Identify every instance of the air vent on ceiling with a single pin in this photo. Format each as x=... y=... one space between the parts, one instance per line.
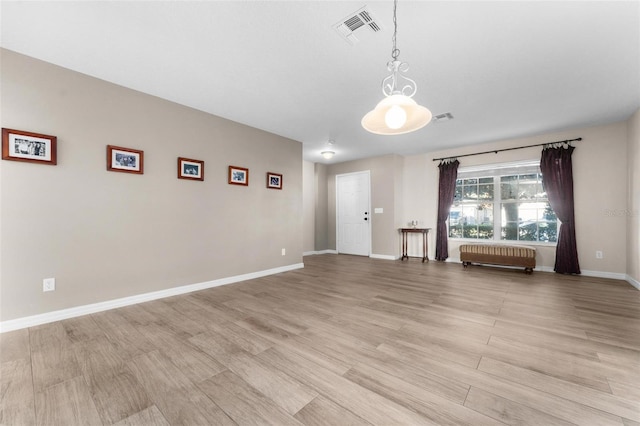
x=442 y=117
x=361 y=22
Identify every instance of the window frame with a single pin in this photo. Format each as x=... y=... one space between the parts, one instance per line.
x=497 y=171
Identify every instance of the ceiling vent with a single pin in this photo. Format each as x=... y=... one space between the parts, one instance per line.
x=360 y=23
x=442 y=117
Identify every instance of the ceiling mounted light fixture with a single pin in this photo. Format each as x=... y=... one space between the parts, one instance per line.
x=328 y=154
x=397 y=113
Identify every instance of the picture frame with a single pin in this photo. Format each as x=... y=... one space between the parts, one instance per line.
x=125 y=160
x=238 y=176
x=274 y=180
x=190 y=169
x=19 y=145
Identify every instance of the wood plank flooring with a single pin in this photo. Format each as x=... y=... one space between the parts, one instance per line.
x=345 y=341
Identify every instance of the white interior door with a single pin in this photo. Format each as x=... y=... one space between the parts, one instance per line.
x=353 y=222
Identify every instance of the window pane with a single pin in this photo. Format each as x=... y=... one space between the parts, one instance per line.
x=509 y=212
x=509 y=189
x=484 y=214
x=470 y=192
x=525 y=214
x=547 y=213
x=542 y=194
x=485 y=232
x=548 y=232
x=510 y=231
x=528 y=231
x=455 y=231
x=486 y=192
x=527 y=190
x=528 y=178
x=454 y=215
x=469 y=214
x=469 y=231
x=484 y=218
x=457 y=196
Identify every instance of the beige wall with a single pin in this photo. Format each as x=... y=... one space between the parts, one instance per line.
x=321 y=188
x=106 y=235
x=308 y=207
x=385 y=172
x=600 y=185
x=633 y=203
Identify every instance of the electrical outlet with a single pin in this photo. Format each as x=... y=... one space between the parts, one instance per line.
x=284 y=252
x=49 y=284
x=599 y=254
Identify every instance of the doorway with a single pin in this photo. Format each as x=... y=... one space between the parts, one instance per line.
x=353 y=215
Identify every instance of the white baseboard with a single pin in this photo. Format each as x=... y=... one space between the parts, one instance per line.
x=77 y=311
x=383 y=256
x=586 y=273
x=633 y=282
x=312 y=253
x=601 y=274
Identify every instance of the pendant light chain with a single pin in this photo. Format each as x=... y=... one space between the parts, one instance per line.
x=395 y=52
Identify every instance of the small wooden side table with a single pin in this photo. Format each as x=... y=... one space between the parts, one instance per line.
x=424 y=232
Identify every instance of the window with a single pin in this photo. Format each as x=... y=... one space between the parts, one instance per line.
x=502 y=202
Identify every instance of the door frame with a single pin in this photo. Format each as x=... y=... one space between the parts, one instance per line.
x=368 y=173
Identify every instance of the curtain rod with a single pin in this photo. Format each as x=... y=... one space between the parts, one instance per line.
x=495 y=151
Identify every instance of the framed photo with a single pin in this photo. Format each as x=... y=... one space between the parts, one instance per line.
x=190 y=169
x=125 y=160
x=18 y=145
x=238 y=176
x=274 y=180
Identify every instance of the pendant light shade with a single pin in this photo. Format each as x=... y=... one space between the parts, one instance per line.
x=395 y=115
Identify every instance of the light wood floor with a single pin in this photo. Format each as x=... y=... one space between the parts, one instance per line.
x=344 y=341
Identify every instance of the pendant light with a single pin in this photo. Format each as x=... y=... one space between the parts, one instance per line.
x=328 y=153
x=397 y=113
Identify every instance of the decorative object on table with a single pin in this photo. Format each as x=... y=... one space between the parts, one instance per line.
x=414 y=224
x=18 y=145
x=190 y=169
x=238 y=176
x=397 y=113
x=274 y=180
x=125 y=160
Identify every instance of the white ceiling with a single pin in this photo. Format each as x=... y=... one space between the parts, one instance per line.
x=503 y=69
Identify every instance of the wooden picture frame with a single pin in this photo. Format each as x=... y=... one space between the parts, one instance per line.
x=274 y=180
x=125 y=160
x=238 y=176
x=190 y=169
x=19 y=145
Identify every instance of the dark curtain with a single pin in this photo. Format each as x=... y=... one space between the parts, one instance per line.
x=557 y=180
x=446 y=192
